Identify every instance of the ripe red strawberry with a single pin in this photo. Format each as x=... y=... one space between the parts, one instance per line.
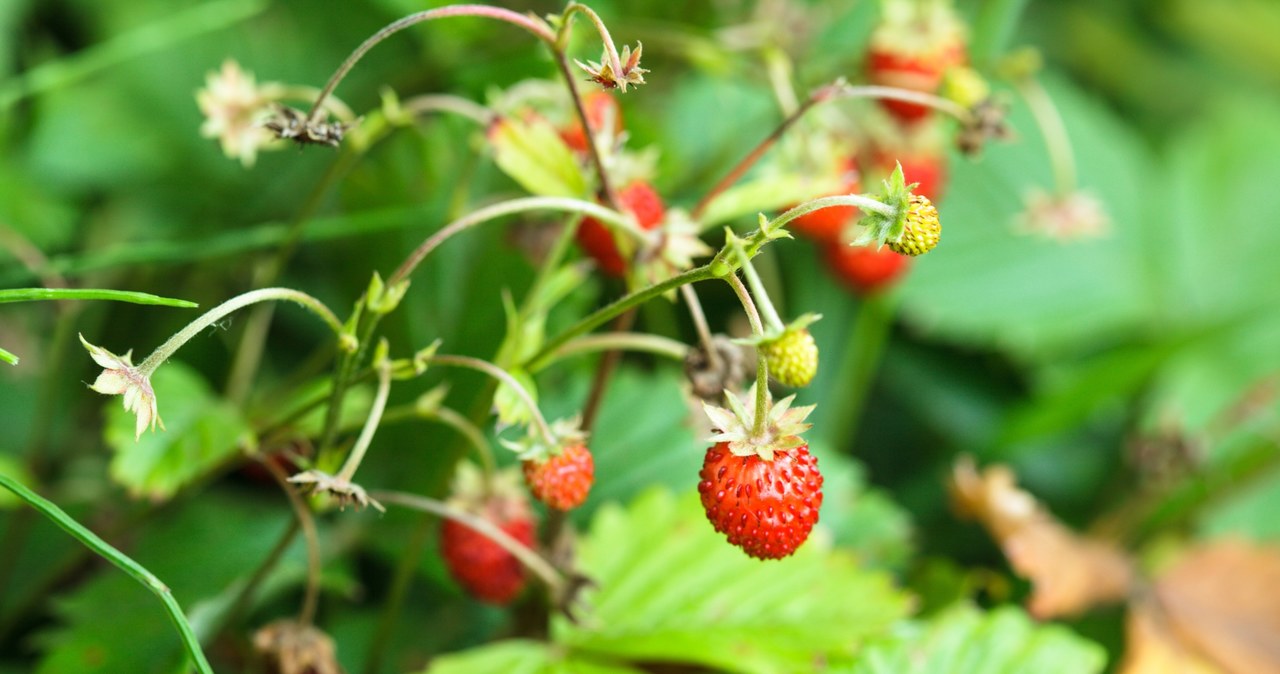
x=561 y=480
x=827 y=224
x=912 y=48
x=597 y=240
x=864 y=269
x=762 y=491
x=602 y=112
x=483 y=568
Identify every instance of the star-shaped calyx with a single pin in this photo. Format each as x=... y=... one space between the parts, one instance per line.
x=121 y=377
x=602 y=73
x=780 y=430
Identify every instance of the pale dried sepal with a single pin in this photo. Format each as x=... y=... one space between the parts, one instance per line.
x=121 y=377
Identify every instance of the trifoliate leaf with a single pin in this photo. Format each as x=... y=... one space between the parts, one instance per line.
x=670 y=589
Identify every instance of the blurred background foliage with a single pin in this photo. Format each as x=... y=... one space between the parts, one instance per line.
x=1129 y=380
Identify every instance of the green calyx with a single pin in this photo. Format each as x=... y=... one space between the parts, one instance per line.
x=879 y=228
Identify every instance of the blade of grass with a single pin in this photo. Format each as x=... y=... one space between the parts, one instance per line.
x=121 y=560
x=8 y=357
x=34 y=294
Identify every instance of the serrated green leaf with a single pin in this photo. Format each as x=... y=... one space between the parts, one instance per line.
x=533 y=154
x=671 y=589
x=964 y=640
x=511 y=409
x=521 y=657
x=201 y=432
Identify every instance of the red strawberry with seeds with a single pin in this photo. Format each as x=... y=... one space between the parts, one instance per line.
x=561 y=480
x=864 y=269
x=762 y=490
x=485 y=569
x=597 y=240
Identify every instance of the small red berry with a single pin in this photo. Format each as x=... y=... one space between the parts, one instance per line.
x=865 y=270
x=765 y=507
x=485 y=569
x=929 y=169
x=597 y=240
x=602 y=111
x=828 y=224
x=913 y=48
x=562 y=480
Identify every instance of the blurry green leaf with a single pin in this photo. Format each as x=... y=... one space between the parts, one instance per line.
x=512 y=410
x=201 y=433
x=533 y=154
x=12 y=466
x=521 y=657
x=671 y=589
x=765 y=194
x=8 y=357
x=964 y=640
x=34 y=294
x=312 y=396
x=861 y=519
x=1248 y=510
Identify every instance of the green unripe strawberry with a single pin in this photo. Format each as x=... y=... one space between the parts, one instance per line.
x=792 y=358
x=920 y=231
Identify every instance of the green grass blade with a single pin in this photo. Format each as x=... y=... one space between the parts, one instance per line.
x=153 y=37
x=34 y=294
x=8 y=357
x=121 y=560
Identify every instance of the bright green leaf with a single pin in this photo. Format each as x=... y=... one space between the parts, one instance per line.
x=533 y=154
x=201 y=433
x=33 y=294
x=671 y=589
x=521 y=657
x=964 y=640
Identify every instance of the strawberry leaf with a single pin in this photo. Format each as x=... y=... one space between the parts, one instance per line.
x=526 y=657
x=533 y=154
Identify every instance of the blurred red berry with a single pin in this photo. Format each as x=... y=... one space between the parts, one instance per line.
x=597 y=241
x=865 y=270
x=827 y=224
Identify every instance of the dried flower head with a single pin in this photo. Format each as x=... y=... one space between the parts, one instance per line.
x=631 y=73
x=234 y=108
x=290 y=124
x=295 y=648
x=1076 y=215
x=342 y=490
x=121 y=377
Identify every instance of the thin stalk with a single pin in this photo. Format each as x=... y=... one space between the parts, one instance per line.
x=595 y=396
x=771 y=318
x=530 y=559
x=610 y=49
x=510 y=207
x=622 y=341
x=460 y=423
x=311 y=596
x=421 y=105
x=605 y=313
x=505 y=377
x=602 y=175
x=121 y=561
x=164 y=351
x=352 y=463
x=1054 y=130
x=762 y=365
x=534 y=26
x=700 y=326
x=832 y=92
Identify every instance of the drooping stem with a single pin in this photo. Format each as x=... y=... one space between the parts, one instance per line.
x=507 y=208
x=121 y=561
x=531 y=560
x=421 y=105
x=534 y=26
x=164 y=351
x=580 y=108
x=762 y=365
x=610 y=49
x=837 y=90
x=311 y=596
x=1054 y=130
x=539 y=422
x=348 y=470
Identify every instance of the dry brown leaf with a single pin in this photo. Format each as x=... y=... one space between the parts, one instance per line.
x=1152 y=648
x=1223 y=600
x=1069 y=573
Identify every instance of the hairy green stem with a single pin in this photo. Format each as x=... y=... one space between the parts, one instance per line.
x=700 y=326
x=352 y=463
x=762 y=366
x=498 y=210
x=771 y=319
x=533 y=25
x=622 y=341
x=311 y=597
x=164 y=351
x=121 y=561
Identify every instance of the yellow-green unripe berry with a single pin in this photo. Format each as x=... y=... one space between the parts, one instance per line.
x=921 y=231
x=792 y=358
